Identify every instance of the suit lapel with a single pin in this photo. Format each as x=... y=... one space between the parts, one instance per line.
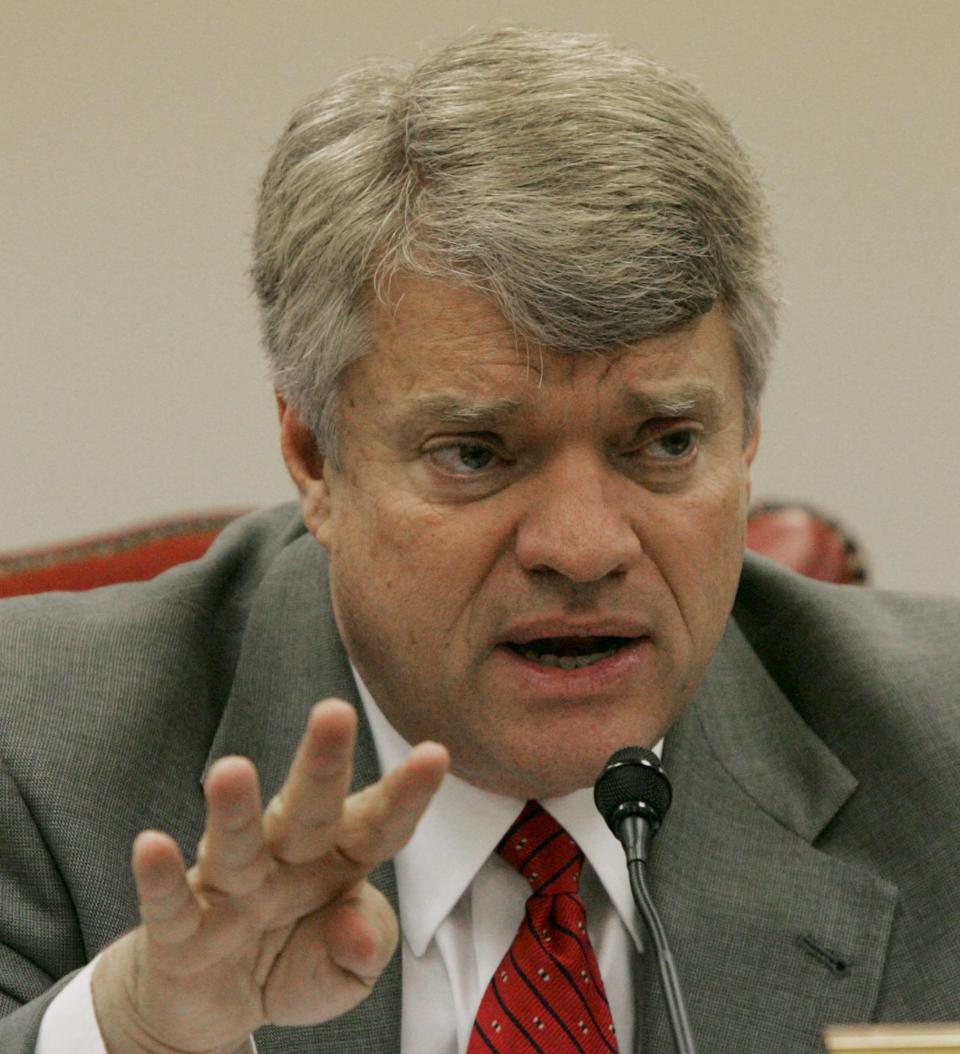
x=773 y=938
x=292 y=657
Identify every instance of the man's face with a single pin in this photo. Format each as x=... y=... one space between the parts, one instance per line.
x=532 y=554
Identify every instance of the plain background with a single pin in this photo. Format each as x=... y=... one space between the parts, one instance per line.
x=134 y=133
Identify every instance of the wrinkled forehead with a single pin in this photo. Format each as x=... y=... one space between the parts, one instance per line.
x=445 y=353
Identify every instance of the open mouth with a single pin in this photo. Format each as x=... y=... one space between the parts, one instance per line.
x=570 y=653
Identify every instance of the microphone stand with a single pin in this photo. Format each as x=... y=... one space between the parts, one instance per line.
x=635 y=835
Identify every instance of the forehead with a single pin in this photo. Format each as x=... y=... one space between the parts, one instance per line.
x=449 y=324
x=446 y=351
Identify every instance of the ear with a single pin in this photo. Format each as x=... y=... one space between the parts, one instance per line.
x=752 y=443
x=750 y=452
x=308 y=469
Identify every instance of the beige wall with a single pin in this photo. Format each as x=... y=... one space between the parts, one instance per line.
x=133 y=134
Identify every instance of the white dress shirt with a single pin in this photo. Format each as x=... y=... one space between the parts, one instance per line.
x=461 y=904
x=460 y=907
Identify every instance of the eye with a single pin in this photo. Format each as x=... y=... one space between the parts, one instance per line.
x=463 y=459
x=674 y=446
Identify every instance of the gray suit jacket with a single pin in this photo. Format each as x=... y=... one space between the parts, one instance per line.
x=806 y=872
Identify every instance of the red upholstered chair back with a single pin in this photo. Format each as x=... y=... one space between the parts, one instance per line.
x=129 y=554
x=807 y=541
x=794 y=535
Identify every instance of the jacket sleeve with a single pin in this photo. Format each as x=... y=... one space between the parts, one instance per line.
x=40 y=941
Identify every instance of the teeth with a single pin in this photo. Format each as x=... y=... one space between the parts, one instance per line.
x=566 y=662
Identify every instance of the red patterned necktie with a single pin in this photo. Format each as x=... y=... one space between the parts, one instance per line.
x=546 y=996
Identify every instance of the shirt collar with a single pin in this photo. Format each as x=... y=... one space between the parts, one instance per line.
x=435 y=868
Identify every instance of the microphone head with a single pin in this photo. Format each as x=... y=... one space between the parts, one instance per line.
x=632 y=783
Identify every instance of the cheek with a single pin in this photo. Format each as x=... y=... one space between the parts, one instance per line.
x=698 y=547
x=405 y=560
x=368 y=525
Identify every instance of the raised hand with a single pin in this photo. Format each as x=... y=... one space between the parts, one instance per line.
x=275 y=923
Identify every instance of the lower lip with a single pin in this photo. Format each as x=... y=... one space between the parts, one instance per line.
x=554 y=680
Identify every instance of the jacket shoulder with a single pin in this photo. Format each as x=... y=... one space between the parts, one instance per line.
x=107 y=659
x=862 y=666
x=774 y=602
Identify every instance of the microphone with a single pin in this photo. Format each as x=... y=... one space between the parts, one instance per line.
x=633 y=795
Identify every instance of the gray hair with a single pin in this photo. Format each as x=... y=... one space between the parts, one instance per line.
x=596 y=197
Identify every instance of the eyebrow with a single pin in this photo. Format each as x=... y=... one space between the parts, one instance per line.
x=704 y=398
x=491 y=415
x=482 y=415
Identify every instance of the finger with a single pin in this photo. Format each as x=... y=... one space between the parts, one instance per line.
x=332 y=958
x=300 y=822
x=381 y=819
x=361 y=933
x=377 y=822
x=232 y=857
x=168 y=908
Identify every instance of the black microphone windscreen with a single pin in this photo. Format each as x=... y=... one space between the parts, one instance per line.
x=632 y=774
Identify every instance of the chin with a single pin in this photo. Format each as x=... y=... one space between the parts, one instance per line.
x=541 y=777
x=552 y=750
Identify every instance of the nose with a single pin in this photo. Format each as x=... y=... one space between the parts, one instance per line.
x=577 y=522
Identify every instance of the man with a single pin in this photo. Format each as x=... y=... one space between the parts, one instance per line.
x=518 y=309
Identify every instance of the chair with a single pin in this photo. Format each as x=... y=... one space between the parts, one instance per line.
x=806 y=540
x=128 y=554
x=797 y=536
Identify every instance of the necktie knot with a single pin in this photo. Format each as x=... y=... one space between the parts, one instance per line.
x=542 y=851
